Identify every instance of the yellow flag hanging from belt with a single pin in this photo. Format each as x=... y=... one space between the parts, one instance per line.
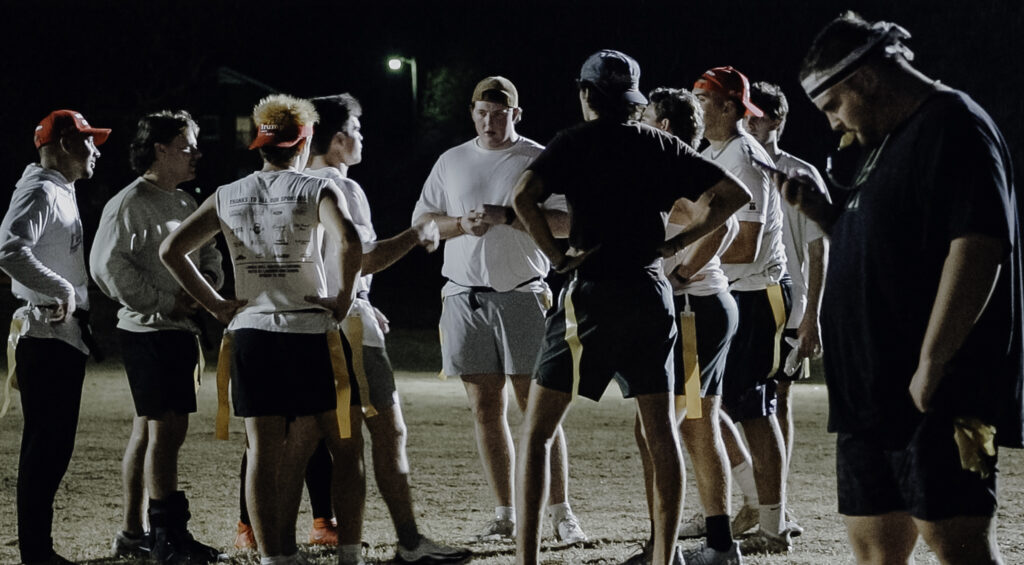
x=342 y=387
x=691 y=365
x=223 y=378
x=12 y=379
x=778 y=305
x=353 y=328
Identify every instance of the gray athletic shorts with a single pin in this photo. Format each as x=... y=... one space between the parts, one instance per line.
x=380 y=378
x=491 y=332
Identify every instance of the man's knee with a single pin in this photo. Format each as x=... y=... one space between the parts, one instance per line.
x=387 y=427
x=882 y=540
x=962 y=539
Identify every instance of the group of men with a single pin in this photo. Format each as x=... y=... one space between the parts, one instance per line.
x=695 y=281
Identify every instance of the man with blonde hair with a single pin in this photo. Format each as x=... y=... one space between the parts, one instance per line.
x=283 y=313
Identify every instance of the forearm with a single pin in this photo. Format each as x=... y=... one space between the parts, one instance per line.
x=188 y=276
x=210 y=264
x=351 y=258
x=174 y=252
x=696 y=256
x=968 y=278
x=526 y=201
x=817 y=265
x=448 y=226
x=22 y=265
x=386 y=252
x=716 y=204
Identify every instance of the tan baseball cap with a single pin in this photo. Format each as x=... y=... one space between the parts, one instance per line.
x=504 y=89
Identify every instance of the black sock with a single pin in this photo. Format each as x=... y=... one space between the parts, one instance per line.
x=719 y=535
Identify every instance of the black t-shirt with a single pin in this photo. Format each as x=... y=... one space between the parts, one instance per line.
x=944 y=173
x=618 y=179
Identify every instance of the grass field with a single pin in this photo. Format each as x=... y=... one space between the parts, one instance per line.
x=451 y=495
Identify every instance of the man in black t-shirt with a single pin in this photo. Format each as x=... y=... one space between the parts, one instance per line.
x=615 y=317
x=922 y=307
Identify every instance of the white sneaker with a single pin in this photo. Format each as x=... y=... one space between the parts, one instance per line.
x=693 y=527
x=568 y=530
x=429 y=552
x=705 y=555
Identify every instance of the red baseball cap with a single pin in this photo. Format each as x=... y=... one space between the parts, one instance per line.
x=731 y=83
x=60 y=121
x=280 y=136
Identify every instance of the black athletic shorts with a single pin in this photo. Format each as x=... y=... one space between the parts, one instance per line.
x=161 y=370
x=282 y=374
x=716 y=319
x=619 y=328
x=748 y=392
x=924 y=478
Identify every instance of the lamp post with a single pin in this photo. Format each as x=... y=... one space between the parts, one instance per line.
x=395 y=64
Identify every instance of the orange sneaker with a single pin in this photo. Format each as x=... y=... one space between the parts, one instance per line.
x=245 y=539
x=324 y=532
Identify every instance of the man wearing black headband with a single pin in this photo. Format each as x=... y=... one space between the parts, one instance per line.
x=922 y=308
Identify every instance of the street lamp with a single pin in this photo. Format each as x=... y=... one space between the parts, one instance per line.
x=395 y=64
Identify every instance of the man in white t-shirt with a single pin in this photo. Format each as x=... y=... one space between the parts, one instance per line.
x=755 y=264
x=337 y=144
x=806 y=257
x=494 y=302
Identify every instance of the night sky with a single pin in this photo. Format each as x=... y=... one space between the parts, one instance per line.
x=114 y=60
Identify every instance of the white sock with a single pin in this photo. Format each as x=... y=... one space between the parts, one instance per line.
x=559 y=512
x=350 y=553
x=275 y=560
x=743 y=474
x=772 y=518
x=505 y=513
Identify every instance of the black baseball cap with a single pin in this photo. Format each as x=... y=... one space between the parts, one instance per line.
x=614 y=73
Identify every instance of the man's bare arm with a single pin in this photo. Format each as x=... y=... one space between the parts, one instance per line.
x=968 y=278
x=196 y=230
x=809 y=331
x=387 y=251
x=714 y=208
x=526 y=199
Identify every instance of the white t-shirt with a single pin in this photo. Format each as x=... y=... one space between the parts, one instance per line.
x=798 y=230
x=769 y=265
x=465 y=178
x=270 y=221
x=359 y=210
x=714 y=280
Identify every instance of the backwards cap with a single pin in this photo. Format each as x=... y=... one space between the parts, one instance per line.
x=498 y=85
x=731 y=83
